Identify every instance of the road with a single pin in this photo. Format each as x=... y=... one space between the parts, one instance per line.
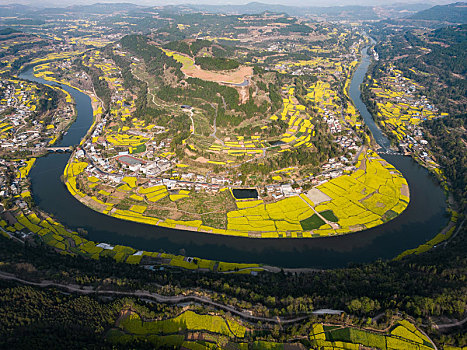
x=179 y=299
x=450 y=325
x=176 y=299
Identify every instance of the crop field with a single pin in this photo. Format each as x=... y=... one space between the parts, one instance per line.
x=214 y=332
x=63 y=240
x=361 y=200
x=404 y=335
x=188 y=320
x=24 y=171
x=312 y=223
x=395 y=112
x=366 y=196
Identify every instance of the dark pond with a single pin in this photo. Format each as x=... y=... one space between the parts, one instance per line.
x=245 y=193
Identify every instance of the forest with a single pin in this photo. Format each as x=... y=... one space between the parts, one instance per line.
x=438 y=59
x=388 y=286
x=216 y=63
x=443 y=80
x=448 y=136
x=100 y=85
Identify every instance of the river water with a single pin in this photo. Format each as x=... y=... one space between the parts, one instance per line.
x=354 y=93
x=422 y=219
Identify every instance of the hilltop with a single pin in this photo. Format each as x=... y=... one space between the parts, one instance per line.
x=453 y=13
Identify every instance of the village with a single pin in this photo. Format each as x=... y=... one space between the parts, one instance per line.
x=136 y=168
x=23 y=126
x=401 y=108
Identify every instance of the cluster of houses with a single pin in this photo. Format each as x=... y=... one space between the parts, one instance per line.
x=332 y=121
x=278 y=191
x=8 y=188
x=22 y=130
x=348 y=142
x=15 y=99
x=414 y=142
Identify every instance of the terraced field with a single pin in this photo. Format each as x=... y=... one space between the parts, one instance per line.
x=223 y=332
x=404 y=335
x=396 y=109
x=368 y=197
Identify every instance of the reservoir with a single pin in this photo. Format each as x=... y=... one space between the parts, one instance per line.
x=421 y=221
x=245 y=193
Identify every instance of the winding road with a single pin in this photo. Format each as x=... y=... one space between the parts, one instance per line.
x=176 y=299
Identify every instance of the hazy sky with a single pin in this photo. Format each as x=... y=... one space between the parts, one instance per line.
x=61 y=3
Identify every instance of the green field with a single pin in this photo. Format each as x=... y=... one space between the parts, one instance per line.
x=329 y=215
x=312 y=223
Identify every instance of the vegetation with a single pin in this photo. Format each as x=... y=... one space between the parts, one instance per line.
x=100 y=86
x=312 y=223
x=389 y=286
x=454 y=13
x=448 y=137
x=217 y=63
x=277 y=134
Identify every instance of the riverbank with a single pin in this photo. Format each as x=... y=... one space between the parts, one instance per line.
x=384 y=241
x=368 y=193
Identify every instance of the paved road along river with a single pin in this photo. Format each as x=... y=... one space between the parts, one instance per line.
x=422 y=220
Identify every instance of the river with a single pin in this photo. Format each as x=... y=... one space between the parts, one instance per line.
x=355 y=95
x=422 y=219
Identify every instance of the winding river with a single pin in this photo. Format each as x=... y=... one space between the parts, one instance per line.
x=422 y=219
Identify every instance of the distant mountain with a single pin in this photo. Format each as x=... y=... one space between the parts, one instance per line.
x=453 y=13
x=9 y=31
x=349 y=12
x=400 y=10
x=99 y=8
x=14 y=10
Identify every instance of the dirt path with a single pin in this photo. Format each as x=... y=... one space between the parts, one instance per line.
x=215 y=126
x=149 y=90
x=332 y=224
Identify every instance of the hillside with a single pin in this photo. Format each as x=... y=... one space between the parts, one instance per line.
x=453 y=13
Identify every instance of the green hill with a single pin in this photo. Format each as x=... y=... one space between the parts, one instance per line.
x=453 y=13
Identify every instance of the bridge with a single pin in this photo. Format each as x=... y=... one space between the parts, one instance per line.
x=60 y=149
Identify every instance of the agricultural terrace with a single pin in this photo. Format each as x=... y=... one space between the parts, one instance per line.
x=403 y=335
x=148 y=164
x=175 y=332
x=323 y=93
x=401 y=107
x=375 y=193
x=213 y=331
